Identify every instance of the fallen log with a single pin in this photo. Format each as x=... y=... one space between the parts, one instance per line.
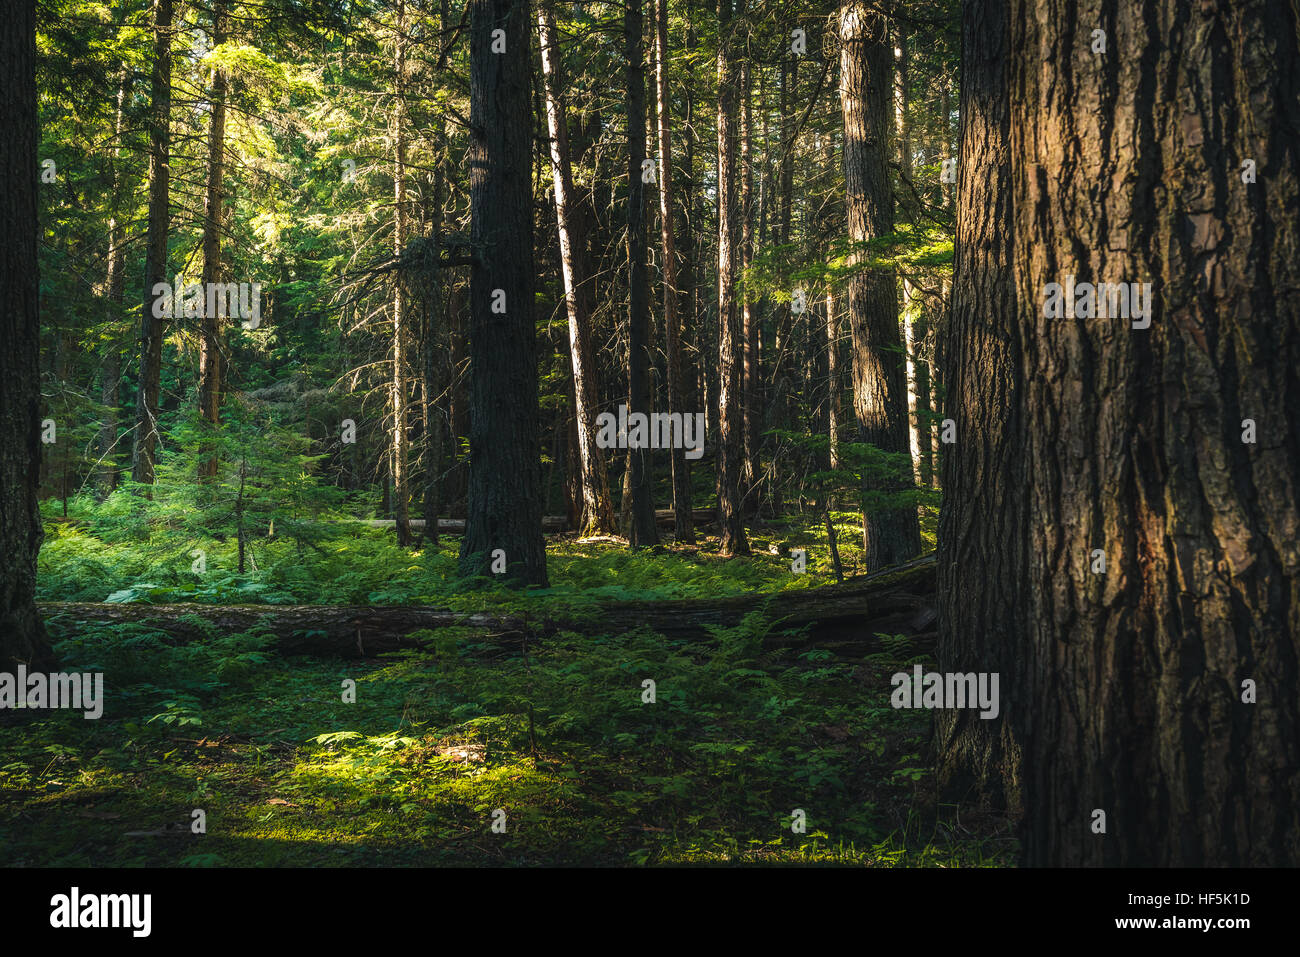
x=843 y=617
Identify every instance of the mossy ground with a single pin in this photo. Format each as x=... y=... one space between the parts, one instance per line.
x=585 y=770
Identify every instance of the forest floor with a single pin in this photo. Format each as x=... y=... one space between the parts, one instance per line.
x=439 y=741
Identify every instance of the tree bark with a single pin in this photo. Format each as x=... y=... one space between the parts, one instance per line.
x=730 y=434
x=834 y=378
x=684 y=531
x=22 y=635
x=890 y=535
x=210 y=359
x=982 y=521
x=398 y=449
x=114 y=292
x=1134 y=698
x=505 y=482
x=155 y=264
x=641 y=528
x=597 y=508
x=749 y=471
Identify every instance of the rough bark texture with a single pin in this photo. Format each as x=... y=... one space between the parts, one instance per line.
x=730 y=433
x=641 y=528
x=505 y=481
x=22 y=636
x=1128 y=167
x=597 y=510
x=982 y=521
x=891 y=535
x=155 y=263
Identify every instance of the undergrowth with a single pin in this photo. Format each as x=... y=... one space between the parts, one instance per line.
x=563 y=741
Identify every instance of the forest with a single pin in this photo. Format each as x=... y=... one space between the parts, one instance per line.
x=668 y=432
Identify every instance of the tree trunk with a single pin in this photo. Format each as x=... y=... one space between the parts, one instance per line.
x=505 y=482
x=210 y=359
x=749 y=322
x=1136 y=435
x=397 y=388
x=597 y=509
x=457 y=400
x=1159 y=687
x=641 y=529
x=834 y=379
x=22 y=635
x=435 y=337
x=114 y=291
x=890 y=535
x=684 y=531
x=730 y=434
x=155 y=263
x=982 y=521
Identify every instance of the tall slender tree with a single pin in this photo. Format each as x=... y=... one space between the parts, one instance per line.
x=114 y=293
x=597 y=511
x=890 y=535
x=642 y=528
x=155 y=261
x=210 y=334
x=730 y=435
x=398 y=449
x=684 y=530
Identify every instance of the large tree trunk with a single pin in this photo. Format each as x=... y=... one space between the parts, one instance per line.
x=731 y=425
x=982 y=520
x=210 y=360
x=22 y=636
x=684 y=529
x=597 y=510
x=505 y=482
x=1158 y=688
x=891 y=535
x=155 y=262
x=1136 y=435
x=398 y=450
x=641 y=528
